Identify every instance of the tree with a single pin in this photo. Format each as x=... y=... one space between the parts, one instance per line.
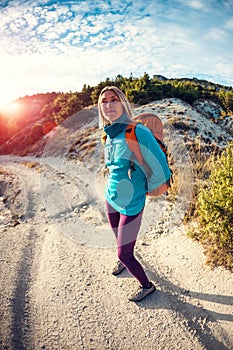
x=97 y=89
x=226 y=99
x=85 y=95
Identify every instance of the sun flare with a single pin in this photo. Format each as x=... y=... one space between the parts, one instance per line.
x=10 y=108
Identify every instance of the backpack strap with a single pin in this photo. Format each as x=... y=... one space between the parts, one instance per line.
x=103 y=138
x=133 y=144
x=132 y=141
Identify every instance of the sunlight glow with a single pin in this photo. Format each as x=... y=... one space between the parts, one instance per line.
x=11 y=109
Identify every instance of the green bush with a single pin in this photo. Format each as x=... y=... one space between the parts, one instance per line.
x=215 y=212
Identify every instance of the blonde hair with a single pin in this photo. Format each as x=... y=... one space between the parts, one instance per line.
x=123 y=99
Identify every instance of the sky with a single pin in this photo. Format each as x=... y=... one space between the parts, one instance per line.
x=58 y=46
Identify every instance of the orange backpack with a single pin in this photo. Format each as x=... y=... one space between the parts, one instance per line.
x=152 y=122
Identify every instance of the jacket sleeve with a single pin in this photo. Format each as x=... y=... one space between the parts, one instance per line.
x=153 y=156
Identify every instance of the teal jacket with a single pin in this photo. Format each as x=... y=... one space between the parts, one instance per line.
x=126 y=195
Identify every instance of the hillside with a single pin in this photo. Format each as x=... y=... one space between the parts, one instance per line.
x=202 y=122
x=26 y=120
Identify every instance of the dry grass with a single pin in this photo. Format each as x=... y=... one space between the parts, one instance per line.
x=202 y=159
x=32 y=165
x=85 y=144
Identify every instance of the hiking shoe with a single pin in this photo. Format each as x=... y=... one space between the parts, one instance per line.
x=142 y=293
x=118 y=268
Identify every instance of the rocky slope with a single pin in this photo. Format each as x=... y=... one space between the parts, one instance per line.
x=201 y=123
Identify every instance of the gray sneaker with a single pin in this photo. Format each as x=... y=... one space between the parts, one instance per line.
x=141 y=293
x=118 y=268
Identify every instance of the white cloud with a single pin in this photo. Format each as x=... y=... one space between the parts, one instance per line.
x=229 y=23
x=216 y=34
x=85 y=42
x=196 y=4
x=31 y=20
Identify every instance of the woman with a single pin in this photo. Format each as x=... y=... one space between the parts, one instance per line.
x=125 y=195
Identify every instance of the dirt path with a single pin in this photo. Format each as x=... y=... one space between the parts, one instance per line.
x=57 y=291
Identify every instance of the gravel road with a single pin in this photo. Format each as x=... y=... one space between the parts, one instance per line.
x=56 y=287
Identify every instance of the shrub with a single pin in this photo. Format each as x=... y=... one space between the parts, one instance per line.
x=215 y=212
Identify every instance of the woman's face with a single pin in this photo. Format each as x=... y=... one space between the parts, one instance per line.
x=111 y=106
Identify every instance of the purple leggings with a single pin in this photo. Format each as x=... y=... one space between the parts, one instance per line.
x=126 y=229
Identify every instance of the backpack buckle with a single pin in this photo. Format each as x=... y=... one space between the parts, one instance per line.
x=130 y=171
